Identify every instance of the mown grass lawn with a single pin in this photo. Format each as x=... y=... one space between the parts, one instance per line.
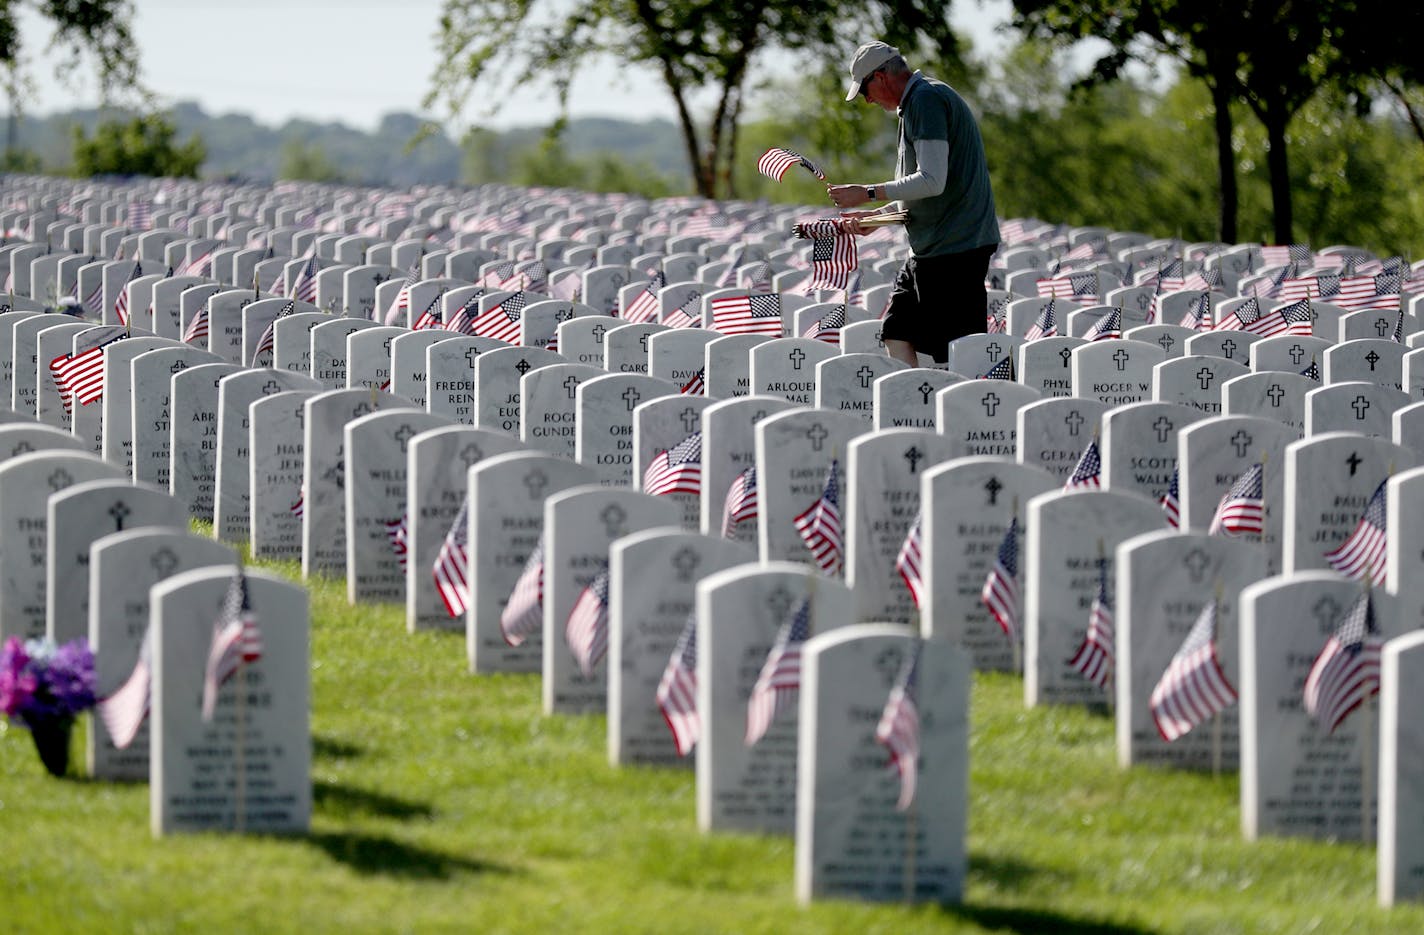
x=448 y=803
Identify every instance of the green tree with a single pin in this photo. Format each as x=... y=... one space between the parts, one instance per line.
x=308 y=162
x=143 y=145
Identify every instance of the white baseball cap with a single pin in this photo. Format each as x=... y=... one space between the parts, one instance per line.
x=866 y=60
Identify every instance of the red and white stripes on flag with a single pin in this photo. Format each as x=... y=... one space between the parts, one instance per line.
x=298 y=508
x=1107 y=327
x=1382 y=291
x=899 y=727
x=677 y=691
x=398 y=534
x=94 y=301
x=124 y=712
x=1363 y=554
x=197 y=330
x=121 y=305
x=462 y=319
x=501 y=320
x=237 y=640
x=747 y=314
x=1046 y=324
x=779 y=683
x=740 y=504
x=429 y=320
x=267 y=342
x=686 y=315
x=524 y=611
x=80 y=377
x=697 y=385
x=1087 y=473
x=676 y=470
x=1097 y=656
x=1346 y=672
x=644 y=306
x=1242 y=510
x=586 y=630
x=451 y=570
x=402 y=300
x=827 y=328
x=1284 y=254
x=1000 y=593
x=1080 y=287
x=775 y=162
x=1193 y=688
x=820 y=525
x=833 y=253
x=909 y=562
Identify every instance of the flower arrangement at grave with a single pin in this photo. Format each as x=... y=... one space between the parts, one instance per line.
x=43 y=687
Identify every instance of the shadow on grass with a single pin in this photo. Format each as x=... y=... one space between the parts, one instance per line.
x=1036 y=921
x=336 y=801
x=330 y=747
x=374 y=854
x=1006 y=873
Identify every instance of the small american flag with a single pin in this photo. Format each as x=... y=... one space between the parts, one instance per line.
x=197 y=330
x=1193 y=688
x=304 y=289
x=1171 y=500
x=644 y=306
x=80 y=377
x=1363 y=554
x=676 y=470
x=1108 y=326
x=734 y=262
x=140 y=215
x=298 y=508
x=1003 y=370
x=1080 y=287
x=828 y=327
x=398 y=535
x=677 y=692
x=747 y=314
x=740 y=503
x=686 y=315
x=1242 y=511
x=1281 y=254
x=1397 y=336
x=833 y=253
x=775 y=162
x=279 y=283
x=1045 y=325
x=462 y=319
x=820 y=525
x=237 y=640
x=124 y=712
x=899 y=727
x=697 y=386
x=401 y=302
x=451 y=570
x=121 y=307
x=1313 y=371
x=1347 y=670
x=1089 y=469
x=908 y=562
x=524 y=611
x=1198 y=315
x=779 y=683
x=94 y=302
x=1097 y=655
x=268 y=341
x=429 y=320
x=586 y=630
x=501 y=321
x=1382 y=291
x=1001 y=588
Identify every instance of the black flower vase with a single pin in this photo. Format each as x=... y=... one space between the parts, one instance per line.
x=51 y=737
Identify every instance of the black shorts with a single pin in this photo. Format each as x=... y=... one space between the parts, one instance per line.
x=937 y=299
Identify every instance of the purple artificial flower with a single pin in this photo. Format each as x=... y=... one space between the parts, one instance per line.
x=40 y=682
x=17 y=683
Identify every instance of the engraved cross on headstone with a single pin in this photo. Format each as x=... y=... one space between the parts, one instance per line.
x=598 y=332
x=990 y=403
x=470 y=354
x=571 y=383
x=524 y=366
x=1381 y=328
x=60 y=479
x=779 y=602
x=926 y=391
x=1326 y=612
x=1196 y=562
x=632 y=397
x=866 y=375
x=914 y=455
x=178 y=365
x=1242 y=442
x=613 y=518
x=470 y=454
x=1074 y=420
x=119 y=511
x=1204 y=377
x=163 y=562
x=21 y=448
x=1167 y=342
x=1372 y=358
x=992 y=487
x=1228 y=348
x=797 y=357
x=643 y=340
x=685 y=561
x=1120 y=357
x=536 y=482
x=1163 y=426
x=994 y=351
x=690 y=419
x=1354 y=462
x=1360 y=405
x=1276 y=393
x=1296 y=353
x=270 y=387
x=1067 y=355
x=403 y=435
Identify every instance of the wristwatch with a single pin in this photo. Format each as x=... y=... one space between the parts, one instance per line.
x=870 y=192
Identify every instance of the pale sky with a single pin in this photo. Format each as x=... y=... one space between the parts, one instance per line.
x=347 y=61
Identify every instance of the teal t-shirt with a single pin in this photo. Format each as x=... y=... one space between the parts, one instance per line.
x=961 y=217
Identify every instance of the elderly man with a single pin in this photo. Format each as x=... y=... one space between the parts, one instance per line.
x=942 y=182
